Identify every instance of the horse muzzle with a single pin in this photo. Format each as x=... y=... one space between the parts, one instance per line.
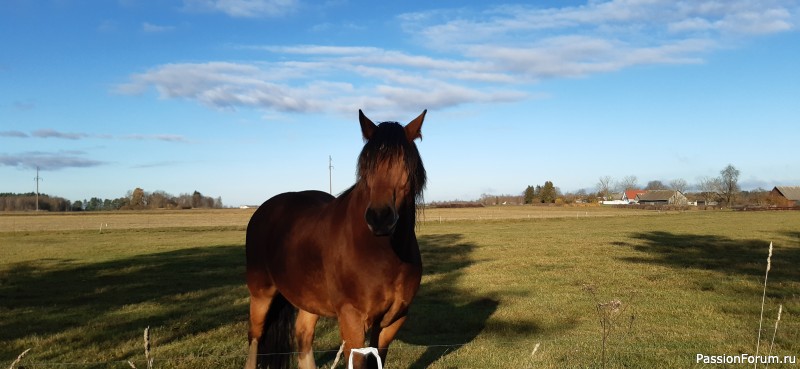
x=381 y=221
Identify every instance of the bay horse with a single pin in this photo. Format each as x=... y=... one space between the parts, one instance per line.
x=354 y=257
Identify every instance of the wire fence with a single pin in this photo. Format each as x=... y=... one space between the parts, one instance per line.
x=231 y=360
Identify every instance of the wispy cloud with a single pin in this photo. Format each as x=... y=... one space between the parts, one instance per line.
x=24 y=105
x=18 y=134
x=244 y=8
x=477 y=55
x=166 y=138
x=52 y=133
x=48 y=160
x=107 y=26
x=154 y=28
x=157 y=164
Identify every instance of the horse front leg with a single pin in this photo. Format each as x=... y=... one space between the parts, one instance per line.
x=380 y=338
x=352 y=327
x=304 y=335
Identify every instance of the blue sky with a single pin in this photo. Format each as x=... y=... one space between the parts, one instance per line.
x=245 y=99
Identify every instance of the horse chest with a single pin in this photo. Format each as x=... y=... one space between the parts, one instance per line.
x=379 y=285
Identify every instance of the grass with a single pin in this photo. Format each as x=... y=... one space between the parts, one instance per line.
x=495 y=288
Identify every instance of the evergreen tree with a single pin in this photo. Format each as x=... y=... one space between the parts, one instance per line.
x=529 y=195
x=548 y=194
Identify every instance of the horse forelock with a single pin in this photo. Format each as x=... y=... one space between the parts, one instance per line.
x=389 y=143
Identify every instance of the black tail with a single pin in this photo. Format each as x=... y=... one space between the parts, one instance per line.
x=277 y=342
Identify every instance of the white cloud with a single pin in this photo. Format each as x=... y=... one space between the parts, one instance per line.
x=690 y=25
x=221 y=85
x=474 y=56
x=391 y=80
x=760 y=21
x=518 y=22
x=533 y=42
x=244 y=8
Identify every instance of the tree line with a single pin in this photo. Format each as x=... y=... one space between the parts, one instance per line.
x=136 y=199
x=723 y=190
x=27 y=202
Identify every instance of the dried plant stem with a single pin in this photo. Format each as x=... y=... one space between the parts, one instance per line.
x=338 y=355
x=780 y=310
x=147 y=348
x=18 y=359
x=603 y=324
x=763 y=299
x=535 y=348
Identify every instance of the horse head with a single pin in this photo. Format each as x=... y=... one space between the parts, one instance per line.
x=391 y=171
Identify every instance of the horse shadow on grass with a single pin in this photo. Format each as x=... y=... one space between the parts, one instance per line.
x=67 y=305
x=443 y=313
x=64 y=304
x=734 y=257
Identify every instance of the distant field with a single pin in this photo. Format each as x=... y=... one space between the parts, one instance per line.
x=526 y=212
x=498 y=282
x=11 y=222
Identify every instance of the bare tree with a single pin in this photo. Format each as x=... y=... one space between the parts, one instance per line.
x=604 y=187
x=729 y=184
x=159 y=199
x=655 y=185
x=708 y=188
x=679 y=185
x=627 y=183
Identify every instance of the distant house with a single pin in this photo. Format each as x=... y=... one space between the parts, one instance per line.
x=661 y=197
x=629 y=196
x=614 y=199
x=786 y=195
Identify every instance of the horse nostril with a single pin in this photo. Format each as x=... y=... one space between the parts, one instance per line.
x=371 y=216
x=381 y=221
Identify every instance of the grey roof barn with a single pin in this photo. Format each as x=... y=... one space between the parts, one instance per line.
x=662 y=197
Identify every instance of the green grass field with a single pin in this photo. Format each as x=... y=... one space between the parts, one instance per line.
x=499 y=284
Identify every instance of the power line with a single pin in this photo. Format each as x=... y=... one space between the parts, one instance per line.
x=37 y=179
x=330 y=178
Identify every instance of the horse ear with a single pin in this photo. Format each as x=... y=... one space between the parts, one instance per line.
x=414 y=129
x=367 y=127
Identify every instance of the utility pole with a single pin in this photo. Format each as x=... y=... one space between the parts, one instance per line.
x=330 y=177
x=37 y=179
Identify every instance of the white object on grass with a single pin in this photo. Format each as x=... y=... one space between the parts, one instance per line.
x=365 y=351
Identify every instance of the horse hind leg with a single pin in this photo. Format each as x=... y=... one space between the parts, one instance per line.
x=271 y=324
x=262 y=291
x=305 y=324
